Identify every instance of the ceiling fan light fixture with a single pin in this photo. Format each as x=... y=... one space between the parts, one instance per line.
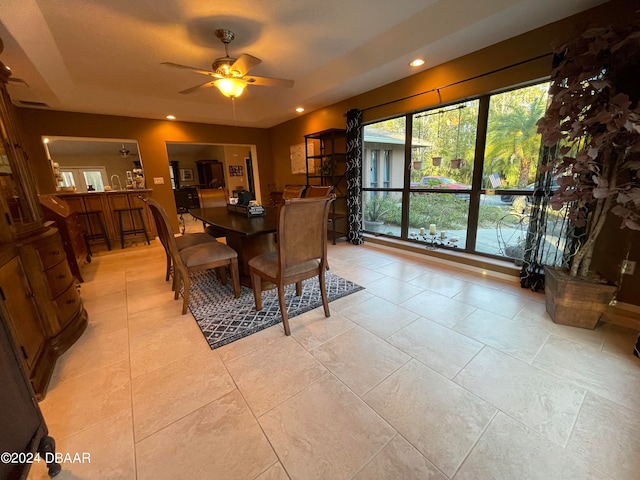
x=230 y=87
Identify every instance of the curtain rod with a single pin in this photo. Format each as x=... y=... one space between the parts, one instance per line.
x=459 y=82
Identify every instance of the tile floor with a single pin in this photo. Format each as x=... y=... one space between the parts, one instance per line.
x=431 y=372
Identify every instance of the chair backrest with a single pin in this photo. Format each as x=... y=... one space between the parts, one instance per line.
x=302 y=230
x=163 y=226
x=212 y=197
x=292 y=191
x=318 y=191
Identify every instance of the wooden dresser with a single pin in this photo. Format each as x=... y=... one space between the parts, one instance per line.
x=71 y=230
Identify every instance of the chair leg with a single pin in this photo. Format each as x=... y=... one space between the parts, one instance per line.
x=235 y=277
x=323 y=293
x=283 y=310
x=176 y=283
x=121 y=228
x=186 y=281
x=256 y=285
x=298 y=289
x=221 y=273
x=144 y=227
x=168 y=273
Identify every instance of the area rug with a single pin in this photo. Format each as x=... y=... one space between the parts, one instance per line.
x=224 y=319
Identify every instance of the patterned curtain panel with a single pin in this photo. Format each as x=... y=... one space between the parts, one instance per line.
x=548 y=233
x=354 y=172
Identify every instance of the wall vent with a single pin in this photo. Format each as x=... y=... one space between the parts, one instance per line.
x=17 y=81
x=27 y=103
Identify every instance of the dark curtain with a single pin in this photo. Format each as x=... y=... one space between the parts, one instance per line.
x=354 y=171
x=550 y=237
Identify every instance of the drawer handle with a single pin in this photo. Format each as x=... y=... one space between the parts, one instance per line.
x=71 y=302
x=63 y=275
x=54 y=252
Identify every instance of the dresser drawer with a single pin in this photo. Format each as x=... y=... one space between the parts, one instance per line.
x=51 y=253
x=68 y=303
x=59 y=278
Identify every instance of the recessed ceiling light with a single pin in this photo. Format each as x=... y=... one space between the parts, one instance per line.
x=299 y=109
x=171 y=117
x=418 y=62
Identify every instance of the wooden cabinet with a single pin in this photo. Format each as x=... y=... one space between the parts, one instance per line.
x=22 y=314
x=23 y=431
x=210 y=173
x=18 y=200
x=23 y=319
x=326 y=156
x=41 y=305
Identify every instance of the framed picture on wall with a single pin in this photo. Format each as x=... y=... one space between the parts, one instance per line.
x=186 y=174
x=235 y=170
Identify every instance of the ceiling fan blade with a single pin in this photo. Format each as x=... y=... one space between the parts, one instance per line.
x=244 y=63
x=193 y=69
x=268 y=82
x=202 y=85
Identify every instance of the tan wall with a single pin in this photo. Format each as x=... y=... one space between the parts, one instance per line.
x=151 y=136
x=530 y=45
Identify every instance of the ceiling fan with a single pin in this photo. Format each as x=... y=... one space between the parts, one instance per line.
x=230 y=74
x=124 y=152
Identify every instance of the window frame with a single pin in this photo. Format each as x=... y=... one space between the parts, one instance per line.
x=477 y=188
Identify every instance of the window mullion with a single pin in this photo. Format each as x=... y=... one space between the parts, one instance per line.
x=404 y=227
x=478 y=162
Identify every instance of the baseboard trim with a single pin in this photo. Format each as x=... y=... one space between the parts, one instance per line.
x=474 y=263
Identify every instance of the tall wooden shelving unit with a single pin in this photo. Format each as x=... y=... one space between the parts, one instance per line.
x=326 y=160
x=39 y=300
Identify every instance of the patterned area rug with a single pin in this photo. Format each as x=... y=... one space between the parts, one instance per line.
x=224 y=319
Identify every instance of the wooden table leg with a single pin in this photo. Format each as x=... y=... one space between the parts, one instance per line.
x=249 y=246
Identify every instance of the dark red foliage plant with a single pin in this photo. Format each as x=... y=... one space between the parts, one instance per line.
x=593 y=122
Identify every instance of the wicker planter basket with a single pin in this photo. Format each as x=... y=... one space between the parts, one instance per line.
x=575 y=301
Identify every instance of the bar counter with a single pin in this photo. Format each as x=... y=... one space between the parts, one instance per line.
x=107 y=203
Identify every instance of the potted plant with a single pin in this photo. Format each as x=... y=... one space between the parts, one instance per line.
x=375 y=210
x=593 y=123
x=436 y=161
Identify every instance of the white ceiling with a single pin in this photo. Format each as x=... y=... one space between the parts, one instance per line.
x=104 y=56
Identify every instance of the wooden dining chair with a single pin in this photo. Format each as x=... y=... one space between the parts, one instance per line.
x=301 y=252
x=211 y=198
x=313 y=191
x=183 y=241
x=293 y=191
x=200 y=256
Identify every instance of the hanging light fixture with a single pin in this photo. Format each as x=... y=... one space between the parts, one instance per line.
x=230 y=86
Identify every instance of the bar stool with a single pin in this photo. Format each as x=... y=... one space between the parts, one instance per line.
x=133 y=230
x=92 y=233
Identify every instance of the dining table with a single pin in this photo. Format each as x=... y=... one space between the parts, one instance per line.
x=248 y=236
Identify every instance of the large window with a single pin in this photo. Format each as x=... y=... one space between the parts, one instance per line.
x=84 y=179
x=382 y=204
x=485 y=212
